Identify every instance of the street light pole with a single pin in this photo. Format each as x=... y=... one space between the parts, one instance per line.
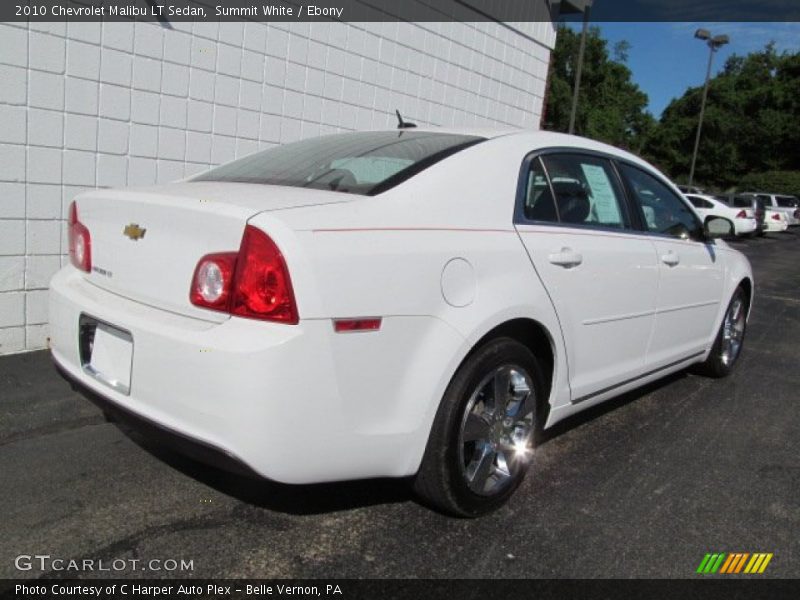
x=579 y=70
x=714 y=43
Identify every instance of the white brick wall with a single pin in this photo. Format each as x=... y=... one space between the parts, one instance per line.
x=86 y=105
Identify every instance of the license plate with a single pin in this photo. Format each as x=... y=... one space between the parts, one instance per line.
x=108 y=354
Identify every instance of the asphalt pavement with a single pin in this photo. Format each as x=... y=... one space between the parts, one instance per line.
x=642 y=486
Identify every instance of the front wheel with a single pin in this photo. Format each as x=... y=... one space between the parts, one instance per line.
x=481 y=443
x=729 y=340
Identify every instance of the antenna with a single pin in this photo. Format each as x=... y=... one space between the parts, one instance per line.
x=403 y=124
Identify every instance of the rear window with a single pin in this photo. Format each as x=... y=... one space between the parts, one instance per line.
x=365 y=163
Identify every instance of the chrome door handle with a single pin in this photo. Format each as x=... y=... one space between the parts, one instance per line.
x=566 y=257
x=670 y=258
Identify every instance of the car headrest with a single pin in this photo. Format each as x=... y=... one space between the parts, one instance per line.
x=573 y=202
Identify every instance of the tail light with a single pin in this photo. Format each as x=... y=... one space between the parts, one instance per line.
x=252 y=283
x=212 y=281
x=80 y=242
x=741 y=215
x=776 y=216
x=262 y=287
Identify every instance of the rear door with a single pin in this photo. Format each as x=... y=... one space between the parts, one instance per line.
x=602 y=276
x=691 y=279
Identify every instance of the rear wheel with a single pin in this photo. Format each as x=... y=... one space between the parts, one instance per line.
x=730 y=338
x=481 y=443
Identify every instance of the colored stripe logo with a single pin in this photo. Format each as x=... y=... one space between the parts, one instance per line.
x=731 y=563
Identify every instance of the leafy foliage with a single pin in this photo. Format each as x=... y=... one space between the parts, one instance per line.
x=779 y=182
x=751 y=125
x=611 y=108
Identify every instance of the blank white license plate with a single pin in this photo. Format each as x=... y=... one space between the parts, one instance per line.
x=112 y=353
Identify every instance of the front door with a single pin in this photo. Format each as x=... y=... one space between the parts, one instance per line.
x=691 y=281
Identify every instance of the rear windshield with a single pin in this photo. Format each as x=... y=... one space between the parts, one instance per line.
x=365 y=163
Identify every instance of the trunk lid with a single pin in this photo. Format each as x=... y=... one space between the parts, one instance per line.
x=146 y=242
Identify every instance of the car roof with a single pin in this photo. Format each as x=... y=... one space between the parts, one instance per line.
x=538 y=138
x=708 y=197
x=485 y=132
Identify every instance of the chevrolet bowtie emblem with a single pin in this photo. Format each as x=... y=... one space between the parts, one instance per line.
x=134 y=232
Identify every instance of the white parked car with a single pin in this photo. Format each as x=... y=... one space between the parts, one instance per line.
x=743 y=220
x=775 y=220
x=788 y=205
x=394 y=303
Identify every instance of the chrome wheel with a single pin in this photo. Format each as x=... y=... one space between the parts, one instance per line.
x=733 y=331
x=497 y=430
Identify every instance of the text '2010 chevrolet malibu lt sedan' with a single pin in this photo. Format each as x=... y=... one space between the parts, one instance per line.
x=394 y=304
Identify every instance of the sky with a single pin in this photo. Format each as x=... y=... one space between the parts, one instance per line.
x=665 y=58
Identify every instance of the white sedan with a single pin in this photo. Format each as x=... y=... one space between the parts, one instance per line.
x=775 y=221
x=394 y=304
x=743 y=219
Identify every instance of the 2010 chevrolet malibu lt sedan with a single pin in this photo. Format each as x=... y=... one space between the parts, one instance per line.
x=411 y=303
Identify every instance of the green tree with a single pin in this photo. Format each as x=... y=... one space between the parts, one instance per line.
x=752 y=122
x=778 y=182
x=611 y=108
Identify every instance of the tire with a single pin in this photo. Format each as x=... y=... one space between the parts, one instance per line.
x=729 y=341
x=479 y=449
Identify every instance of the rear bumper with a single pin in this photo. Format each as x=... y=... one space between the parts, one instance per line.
x=775 y=226
x=745 y=226
x=292 y=403
x=188 y=446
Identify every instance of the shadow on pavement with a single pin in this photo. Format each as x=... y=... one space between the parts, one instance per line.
x=333 y=497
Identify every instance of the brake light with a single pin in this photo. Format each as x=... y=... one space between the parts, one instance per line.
x=252 y=283
x=741 y=215
x=776 y=216
x=80 y=242
x=262 y=287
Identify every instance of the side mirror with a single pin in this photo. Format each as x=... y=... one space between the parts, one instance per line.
x=717 y=227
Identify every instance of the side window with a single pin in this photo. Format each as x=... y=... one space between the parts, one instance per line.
x=586 y=190
x=700 y=202
x=765 y=199
x=539 y=205
x=664 y=212
x=696 y=202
